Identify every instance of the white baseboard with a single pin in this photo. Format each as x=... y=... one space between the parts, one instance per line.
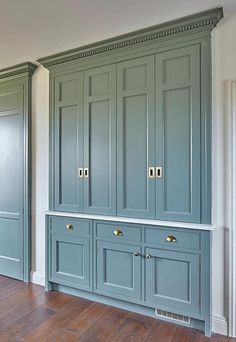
x=37 y=278
x=219 y=325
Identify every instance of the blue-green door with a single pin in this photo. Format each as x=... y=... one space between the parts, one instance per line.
x=100 y=140
x=118 y=272
x=173 y=281
x=68 y=139
x=11 y=181
x=135 y=138
x=178 y=135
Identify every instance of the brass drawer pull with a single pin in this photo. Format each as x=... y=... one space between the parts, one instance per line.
x=148 y=256
x=136 y=253
x=69 y=226
x=171 y=238
x=117 y=232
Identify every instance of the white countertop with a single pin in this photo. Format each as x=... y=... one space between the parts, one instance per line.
x=134 y=220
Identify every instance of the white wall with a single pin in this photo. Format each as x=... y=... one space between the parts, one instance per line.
x=224 y=68
x=40 y=148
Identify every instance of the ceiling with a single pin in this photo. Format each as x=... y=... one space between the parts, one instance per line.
x=31 y=29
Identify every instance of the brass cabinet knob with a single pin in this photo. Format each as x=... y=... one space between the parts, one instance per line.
x=117 y=232
x=171 y=238
x=148 y=256
x=136 y=253
x=69 y=226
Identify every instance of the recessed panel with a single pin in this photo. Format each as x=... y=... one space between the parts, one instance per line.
x=176 y=69
x=10 y=239
x=100 y=154
x=8 y=100
x=172 y=279
x=118 y=268
x=135 y=137
x=70 y=259
x=99 y=84
x=68 y=90
x=68 y=155
x=177 y=150
x=11 y=162
x=135 y=77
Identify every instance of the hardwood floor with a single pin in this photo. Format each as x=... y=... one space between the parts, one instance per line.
x=27 y=313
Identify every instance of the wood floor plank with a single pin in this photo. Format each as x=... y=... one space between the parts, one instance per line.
x=182 y=334
x=103 y=328
x=20 y=298
x=83 y=322
x=132 y=330
x=7 y=282
x=55 y=325
x=20 y=311
x=11 y=290
x=161 y=331
x=28 y=323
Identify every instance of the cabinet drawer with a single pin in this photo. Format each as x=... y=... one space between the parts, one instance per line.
x=173 y=238
x=118 y=232
x=72 y=226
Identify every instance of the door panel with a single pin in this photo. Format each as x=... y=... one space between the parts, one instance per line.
x=100 y=140
x=68 y=142
x=11 y=181
x=178 y=134
x=118 y=270
x=135 y=144
x=70 y=260
x=173 y=281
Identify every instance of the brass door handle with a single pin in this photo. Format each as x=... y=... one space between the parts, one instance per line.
x=117 y=232
x=171 y=238
x=148 y=256
x=69 y=226
x=136 y=253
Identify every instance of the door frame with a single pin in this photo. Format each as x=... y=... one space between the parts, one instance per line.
x=231 y=127
x=21 y=74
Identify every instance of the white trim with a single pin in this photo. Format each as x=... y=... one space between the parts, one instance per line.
x=232 y=207
x=219 y=325
x=134 y=220
x=37 y=278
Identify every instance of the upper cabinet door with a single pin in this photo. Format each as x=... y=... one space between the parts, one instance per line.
x=100 y=140
x=135 y=141
x=178 y=134
x=68 y=139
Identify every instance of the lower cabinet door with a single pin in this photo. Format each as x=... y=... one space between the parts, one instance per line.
x=173 y=281
x=70 y=261
x=119 y=270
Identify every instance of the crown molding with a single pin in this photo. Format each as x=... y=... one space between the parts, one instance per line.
x=24 y=69
x=204 y=21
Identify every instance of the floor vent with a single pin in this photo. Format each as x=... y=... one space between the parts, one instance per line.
x=172 y=316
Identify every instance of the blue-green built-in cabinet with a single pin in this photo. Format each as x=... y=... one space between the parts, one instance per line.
x=130 y=156
x=15 y=232
x=147 y=267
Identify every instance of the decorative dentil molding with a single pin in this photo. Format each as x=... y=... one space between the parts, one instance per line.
x=26 y=69
x=195 y=23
